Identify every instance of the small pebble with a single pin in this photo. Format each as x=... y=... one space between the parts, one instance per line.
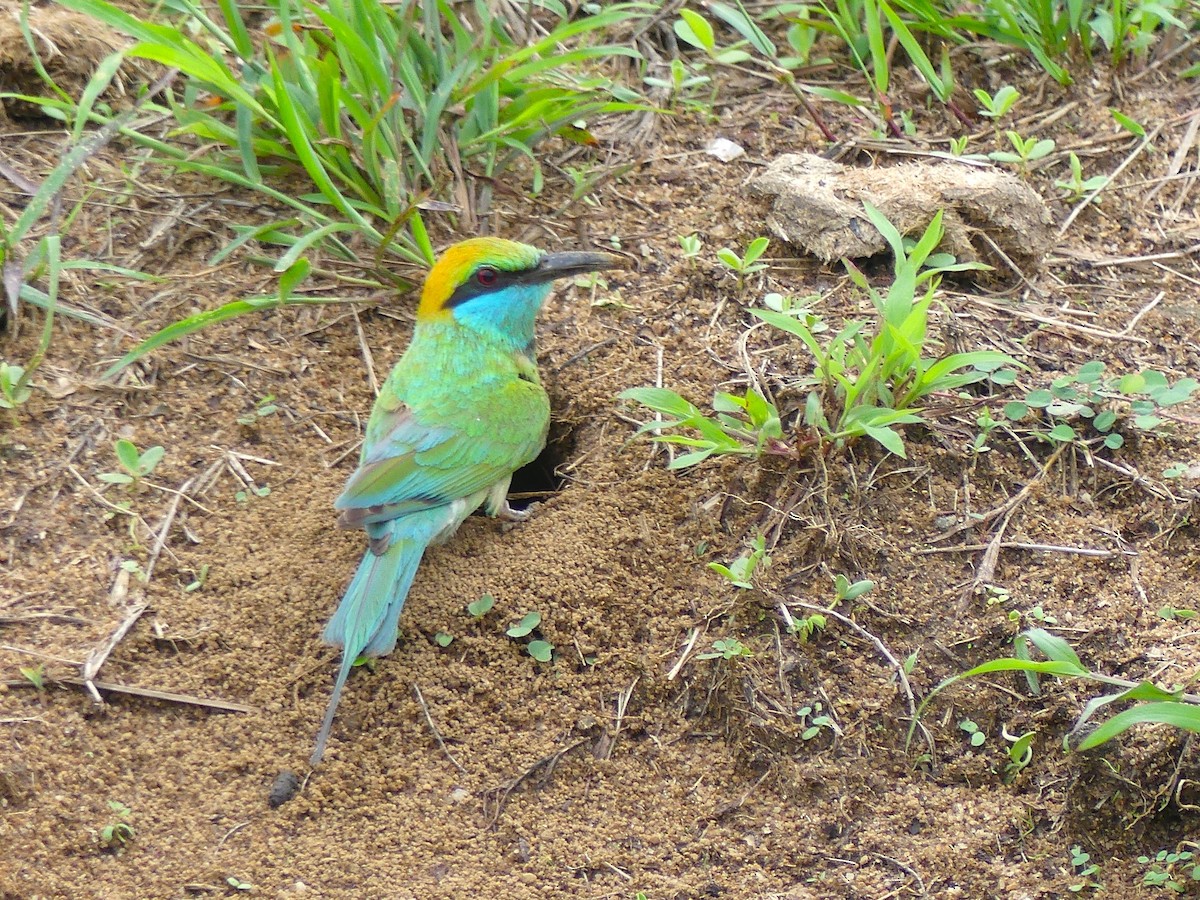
x=724 y=149
x=283 y=789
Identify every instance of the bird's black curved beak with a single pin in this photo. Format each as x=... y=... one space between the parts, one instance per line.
x=574 y=262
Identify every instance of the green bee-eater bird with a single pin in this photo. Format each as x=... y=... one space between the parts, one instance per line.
x=461 y=411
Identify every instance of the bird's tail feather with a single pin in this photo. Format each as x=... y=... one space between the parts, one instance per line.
x=367 y=619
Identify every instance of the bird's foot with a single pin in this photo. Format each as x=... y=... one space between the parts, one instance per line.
x=507 y=514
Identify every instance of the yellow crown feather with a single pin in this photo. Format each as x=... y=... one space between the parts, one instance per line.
x=459 y=263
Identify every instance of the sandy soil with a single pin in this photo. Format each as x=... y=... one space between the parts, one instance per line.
x=628 y=764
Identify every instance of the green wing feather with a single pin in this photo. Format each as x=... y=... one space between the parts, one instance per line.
x=409 y=464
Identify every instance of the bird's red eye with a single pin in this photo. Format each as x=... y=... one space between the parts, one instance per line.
x=486 y=276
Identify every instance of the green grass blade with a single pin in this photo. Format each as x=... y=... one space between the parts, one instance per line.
x=915 y=52
x=236 y=28
x=203 y=320
x=1181 y=715
x=313 y=237
x=96 y=84
x=874 y=30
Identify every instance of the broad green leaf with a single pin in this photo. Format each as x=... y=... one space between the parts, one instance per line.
x=756 y=249
x=1180 y=715
x=1051 y=645
x=661 y=400
x=127 y=455
x=1039 y=399
x=692 y=28
x=689 y=459
x=1015 y=410
x=889 y=439
x=149 y=460
x=739 y=21
x=526 y=625
x=291 y=279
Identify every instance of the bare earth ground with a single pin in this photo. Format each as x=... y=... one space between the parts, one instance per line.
x=627 y=764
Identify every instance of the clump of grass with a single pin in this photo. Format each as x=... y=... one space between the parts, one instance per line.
x=869 y=379
x=385 y=109
x=26 y=259
x=1150 y=703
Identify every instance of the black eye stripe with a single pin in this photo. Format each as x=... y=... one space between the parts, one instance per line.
x=473 y=288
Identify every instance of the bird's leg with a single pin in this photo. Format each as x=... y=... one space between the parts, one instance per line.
x=496 y=504
x=507 y=514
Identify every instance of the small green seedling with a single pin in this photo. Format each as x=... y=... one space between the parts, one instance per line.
x=134 y=568
x=986 y=423
x=910 y=661
x=1063 y=412
x=237 y=884
x=1170 y=870
x=35 y=675
x=747 y=264
x=958 y=145
x=244 y=496
x=1170 y=612
x=796 y=306
x=977 y=737
x=1020 y=752
x=591 y=282
x=726 y=648
x=118 y=831
x=481 y=607
x=741 y=570
x=263 y=408
x=1134 y=127
x=815 y=720
x=1084 y=868
x=808 y=626
x=847 y=591
x=1027 y=150
x=526 y=625
x=14 y=387
x=691 y=245
x=1036 y=614
x=1078 y=186
x=681 y=83
x=998 y=106
x=137 y=465
x=442 y=639
x=198 y=582
x=542 y=651
x=997 y=595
